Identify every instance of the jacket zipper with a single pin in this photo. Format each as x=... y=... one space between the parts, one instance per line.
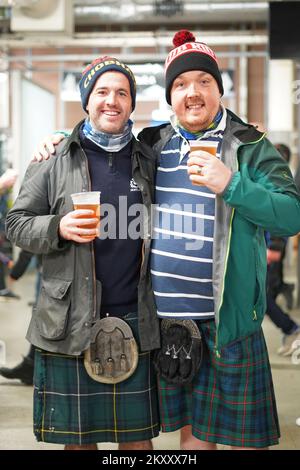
x=143 y=243
x=217 y=352
x=92 y=246
x=143 y=256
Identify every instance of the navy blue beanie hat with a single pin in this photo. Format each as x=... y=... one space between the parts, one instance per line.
x=99 y=66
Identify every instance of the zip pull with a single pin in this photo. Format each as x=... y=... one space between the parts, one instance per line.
x=254 y=315
x=110 y=160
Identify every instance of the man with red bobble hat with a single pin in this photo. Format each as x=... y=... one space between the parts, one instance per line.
x=211 y=268
x=208 y=258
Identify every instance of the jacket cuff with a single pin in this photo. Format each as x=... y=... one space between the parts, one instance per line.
x=230 y=188
x=58 y=243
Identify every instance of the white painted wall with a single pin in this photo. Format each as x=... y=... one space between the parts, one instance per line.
x=281 y=96
x=33 y=117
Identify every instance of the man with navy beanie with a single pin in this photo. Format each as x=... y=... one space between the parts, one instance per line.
x=87 y=278
x=99 y=66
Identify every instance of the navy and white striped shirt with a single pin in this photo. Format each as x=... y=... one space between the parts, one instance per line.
x=182 y=245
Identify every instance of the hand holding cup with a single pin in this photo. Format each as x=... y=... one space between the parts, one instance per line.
x=83 y=224
x=204 y=169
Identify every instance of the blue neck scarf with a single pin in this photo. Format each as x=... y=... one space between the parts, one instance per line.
x=108 y=142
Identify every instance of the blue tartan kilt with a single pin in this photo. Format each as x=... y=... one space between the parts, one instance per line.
x=71 y=408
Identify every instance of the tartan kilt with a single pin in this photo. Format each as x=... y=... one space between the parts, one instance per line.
x=71 y=408
x=231 y=401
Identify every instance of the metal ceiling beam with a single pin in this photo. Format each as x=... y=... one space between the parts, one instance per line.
x=148 y=39
x=134 y=12
x=128 y=58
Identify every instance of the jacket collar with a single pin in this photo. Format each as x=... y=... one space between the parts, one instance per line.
x=142 y=148
x=244 y=132
x=74 y=138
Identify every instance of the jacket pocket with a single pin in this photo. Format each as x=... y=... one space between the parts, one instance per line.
x=52 y=308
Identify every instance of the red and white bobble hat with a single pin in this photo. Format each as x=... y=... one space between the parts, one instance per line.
x=188 y=54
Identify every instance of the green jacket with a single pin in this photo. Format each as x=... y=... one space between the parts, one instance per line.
x=261 y=196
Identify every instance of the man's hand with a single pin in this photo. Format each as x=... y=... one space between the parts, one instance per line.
x=46 y=148
x=8 y=179
x=73 y=226
x=207 y=170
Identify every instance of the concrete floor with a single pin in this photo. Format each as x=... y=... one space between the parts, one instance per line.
x=16 y=399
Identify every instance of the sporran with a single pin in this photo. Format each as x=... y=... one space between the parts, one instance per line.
x=113 y=353
x=180 y=356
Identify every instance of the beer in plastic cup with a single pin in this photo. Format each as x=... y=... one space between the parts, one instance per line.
x=206 y=145
x=88 y=200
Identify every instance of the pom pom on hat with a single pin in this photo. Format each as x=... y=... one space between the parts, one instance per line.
x=187 y=55
x=183 y=36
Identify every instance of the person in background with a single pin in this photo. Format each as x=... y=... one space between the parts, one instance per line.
x=24 y=370
x=85 y=278
x=283 y=321
x=7 y=181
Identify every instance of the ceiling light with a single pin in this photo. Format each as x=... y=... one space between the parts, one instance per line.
x=167 y=7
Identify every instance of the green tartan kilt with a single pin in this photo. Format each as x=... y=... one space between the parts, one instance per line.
x=72 y=408
x=231 y=400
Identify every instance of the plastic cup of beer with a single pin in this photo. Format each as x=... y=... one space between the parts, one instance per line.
x=206 y=145
x=88 y=200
